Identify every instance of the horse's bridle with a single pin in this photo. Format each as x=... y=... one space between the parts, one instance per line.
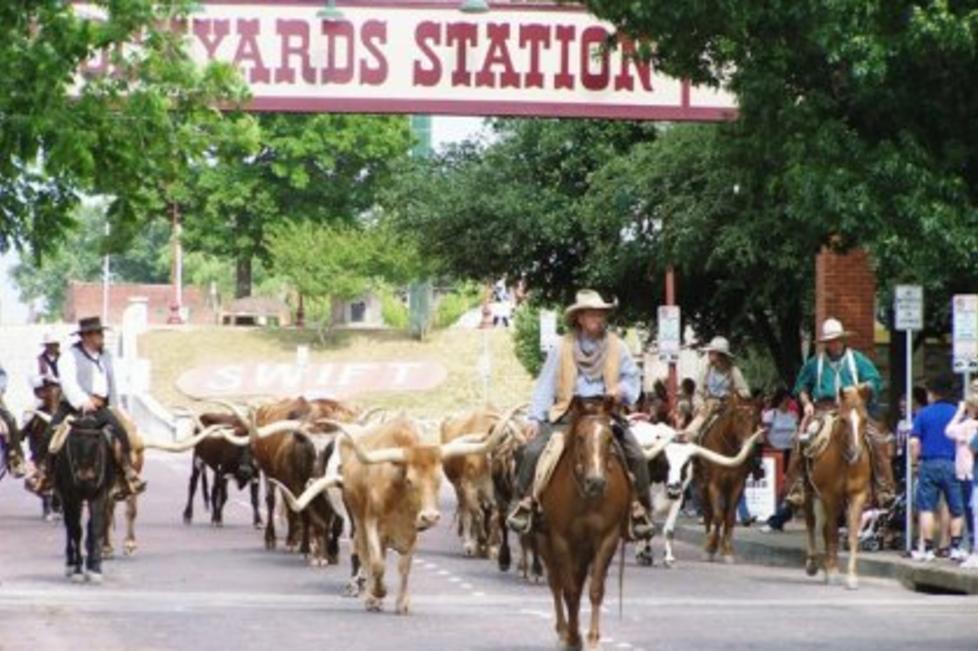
x=575 y=468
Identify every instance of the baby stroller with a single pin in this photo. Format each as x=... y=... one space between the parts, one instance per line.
x=883 y=528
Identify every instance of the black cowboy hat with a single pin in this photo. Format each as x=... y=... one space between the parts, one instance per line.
x=90 y=324
x=941 y=384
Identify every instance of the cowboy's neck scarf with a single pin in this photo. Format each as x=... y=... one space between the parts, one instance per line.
x=590 y=355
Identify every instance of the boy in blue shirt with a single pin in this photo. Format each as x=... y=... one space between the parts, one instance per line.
x=935 y=451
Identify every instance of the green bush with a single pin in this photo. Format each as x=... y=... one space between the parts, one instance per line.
x=526 y=338
x=393 y=310
x=452 y=306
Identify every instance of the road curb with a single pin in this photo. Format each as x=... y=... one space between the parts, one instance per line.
x=787 y=550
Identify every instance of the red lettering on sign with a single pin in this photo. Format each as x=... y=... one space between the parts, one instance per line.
x=295 y=42
x=336 y=30
x=374 y=34
x=624 y=80
x=537 y=37
x=248 y=50
x=498 y=54
x=565 y=35
x=427 y=34
x=462 y=34
x=592 y=42
x=203 y=30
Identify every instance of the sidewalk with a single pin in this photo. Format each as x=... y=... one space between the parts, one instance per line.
x=787 y=549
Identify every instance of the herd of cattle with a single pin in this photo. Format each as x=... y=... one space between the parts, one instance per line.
x=376 y=477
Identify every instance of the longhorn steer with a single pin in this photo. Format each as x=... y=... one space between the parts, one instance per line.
x=225 y=458
x=671 y=465
x=390 y=482
x=471 y=477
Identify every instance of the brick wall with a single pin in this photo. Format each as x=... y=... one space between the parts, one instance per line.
x=85 y=299
x=845 y=288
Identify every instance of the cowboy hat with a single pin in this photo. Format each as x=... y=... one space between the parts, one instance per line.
x=587 y=299
x=90 y=324
x=832 y=329
x=718 y=345
x=49 y=338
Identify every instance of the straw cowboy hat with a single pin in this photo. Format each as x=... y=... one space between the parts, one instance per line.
x=719 y=345
x=587 y=299
x=49 y=338
x=832 y=329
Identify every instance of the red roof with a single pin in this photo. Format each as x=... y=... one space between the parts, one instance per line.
x=85 y=299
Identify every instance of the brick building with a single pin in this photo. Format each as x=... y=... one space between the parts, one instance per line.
x=85 y=299
x=845 y=288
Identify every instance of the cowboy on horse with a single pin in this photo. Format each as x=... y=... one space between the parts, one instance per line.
x=589 y=362
x=719 y=380
x=89 y=389
x=9 y=434
x=819 y=385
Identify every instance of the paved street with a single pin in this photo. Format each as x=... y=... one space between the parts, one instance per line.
x=202 y=588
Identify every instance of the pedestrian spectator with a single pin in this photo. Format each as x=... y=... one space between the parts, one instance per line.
x=936 y=453
x=781 y=422
x=685 y=403
x=963 y=430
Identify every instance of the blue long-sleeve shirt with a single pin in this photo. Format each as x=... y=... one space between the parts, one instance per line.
x=545 y=392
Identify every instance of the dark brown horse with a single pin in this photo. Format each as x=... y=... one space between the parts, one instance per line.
x=839 y=473
x=585 y=509
x=50 y=396
x=736 y=425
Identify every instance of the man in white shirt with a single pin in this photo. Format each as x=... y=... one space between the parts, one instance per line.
x=88 y=391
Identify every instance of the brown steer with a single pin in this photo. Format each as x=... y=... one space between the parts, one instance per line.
x=390 y=480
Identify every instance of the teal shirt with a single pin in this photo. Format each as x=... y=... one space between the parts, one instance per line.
x=808 y=380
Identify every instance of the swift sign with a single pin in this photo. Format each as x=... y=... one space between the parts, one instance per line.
x=427 y=57
x=325 y=380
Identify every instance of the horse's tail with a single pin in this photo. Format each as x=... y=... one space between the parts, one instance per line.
x=621 y=580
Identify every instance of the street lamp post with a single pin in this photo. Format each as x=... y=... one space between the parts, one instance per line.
x=177 y=305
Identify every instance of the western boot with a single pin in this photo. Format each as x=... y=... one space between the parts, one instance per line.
x=41 y=482
x=640 y=525
x=520 y=520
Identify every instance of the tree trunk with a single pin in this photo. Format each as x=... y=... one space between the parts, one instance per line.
x=781 y=333
x=242 y=285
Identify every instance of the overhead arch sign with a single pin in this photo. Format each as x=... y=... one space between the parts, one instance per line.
x=410 y=57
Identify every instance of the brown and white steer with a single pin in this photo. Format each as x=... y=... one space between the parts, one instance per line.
x=390 y=479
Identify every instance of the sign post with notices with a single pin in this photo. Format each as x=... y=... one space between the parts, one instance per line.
x=670 y=333
x=548 y=330
x=965 y=322
x=908 y=313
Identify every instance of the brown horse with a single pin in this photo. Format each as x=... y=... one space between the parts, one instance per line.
x=33 y=431
x=721 y=487
x=838 y=474
x=585 y=508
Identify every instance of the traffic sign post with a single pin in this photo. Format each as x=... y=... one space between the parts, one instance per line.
x=965 y=328
x=908 y=311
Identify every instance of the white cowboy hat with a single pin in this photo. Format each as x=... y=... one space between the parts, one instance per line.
x=718 y=345
x=588 y=299
x=49 y=338
x=832 y=329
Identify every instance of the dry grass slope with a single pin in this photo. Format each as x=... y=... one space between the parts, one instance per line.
x=172 y=351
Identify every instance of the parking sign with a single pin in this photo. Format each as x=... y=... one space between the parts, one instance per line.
x=965 y=323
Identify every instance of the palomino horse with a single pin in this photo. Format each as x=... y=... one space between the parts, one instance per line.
x=585 y=508
x=838 y=469
x=722 y=486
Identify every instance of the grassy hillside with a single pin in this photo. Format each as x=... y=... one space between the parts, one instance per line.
x=172 y=351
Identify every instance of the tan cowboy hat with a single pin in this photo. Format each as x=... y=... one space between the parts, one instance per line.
x=49 y=338
x=587 y=299
x=832 y=329
x=719 y=345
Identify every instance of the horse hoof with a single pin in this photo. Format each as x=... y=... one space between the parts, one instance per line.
x=710 y=557
x=373 y=604
x=403 y=606
x=108 y=553
x=669 y=562
x=852 y=582
x=95 y=578
x=258 y=524
x=728 y=559
x=187 y=519
x=270 y=545
x=129 y=548
x=352 y=589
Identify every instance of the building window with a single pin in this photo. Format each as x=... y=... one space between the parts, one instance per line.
x=358 y=312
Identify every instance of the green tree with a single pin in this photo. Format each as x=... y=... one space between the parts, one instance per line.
x=317 y=168
x=116 y=134
x=142 y=262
